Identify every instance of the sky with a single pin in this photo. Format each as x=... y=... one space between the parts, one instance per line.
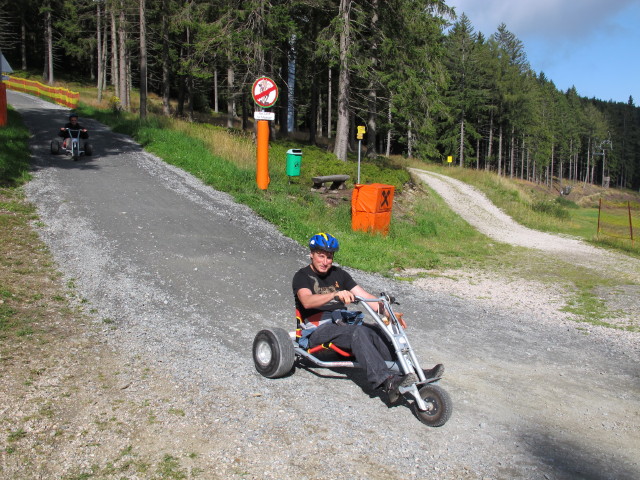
x=593 y=45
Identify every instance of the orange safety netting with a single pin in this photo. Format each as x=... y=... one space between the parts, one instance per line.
x=59 y=95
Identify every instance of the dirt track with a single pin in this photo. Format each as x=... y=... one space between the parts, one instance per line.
x=176 y=269
x=475 y=208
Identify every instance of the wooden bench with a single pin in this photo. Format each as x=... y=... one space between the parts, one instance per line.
x=337 y=182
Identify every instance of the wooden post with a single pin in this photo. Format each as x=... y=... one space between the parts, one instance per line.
x=630 y=222
x=262 y=156
x=599 y=211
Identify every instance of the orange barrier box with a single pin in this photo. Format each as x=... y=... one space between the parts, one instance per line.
x=371 y=207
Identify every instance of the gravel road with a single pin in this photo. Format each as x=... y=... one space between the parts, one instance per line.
x=187 y=277
x=477 y=210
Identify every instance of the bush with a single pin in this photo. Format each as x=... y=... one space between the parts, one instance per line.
x=14 y=155
x=563 y=202
x=550 y=208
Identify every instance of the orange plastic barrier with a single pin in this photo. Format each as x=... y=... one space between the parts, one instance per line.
x=59 y=95
x=371 y=207
x=3 y=104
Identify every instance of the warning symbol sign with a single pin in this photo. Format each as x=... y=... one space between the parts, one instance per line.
x=264 y=92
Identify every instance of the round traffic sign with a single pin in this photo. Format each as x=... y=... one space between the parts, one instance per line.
x=264 y=92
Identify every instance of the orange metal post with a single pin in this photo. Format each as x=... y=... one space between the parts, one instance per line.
x=262 y=157
x=3 y=104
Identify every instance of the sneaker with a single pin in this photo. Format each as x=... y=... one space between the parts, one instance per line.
x=394 y=382
x=435 y=372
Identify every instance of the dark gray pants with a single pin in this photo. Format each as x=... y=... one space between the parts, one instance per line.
x=367 y=343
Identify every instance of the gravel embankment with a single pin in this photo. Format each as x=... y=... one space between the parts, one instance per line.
x=185 y=280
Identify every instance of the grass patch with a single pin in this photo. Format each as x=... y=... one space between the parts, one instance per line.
x=18 y=306
x=540 y=208
x=14 y=154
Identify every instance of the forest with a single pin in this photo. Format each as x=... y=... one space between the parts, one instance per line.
x=414 y=72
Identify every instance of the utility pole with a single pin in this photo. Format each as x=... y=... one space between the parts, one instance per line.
x=602 y=147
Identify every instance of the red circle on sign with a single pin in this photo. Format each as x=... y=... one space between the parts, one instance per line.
x=264 y=92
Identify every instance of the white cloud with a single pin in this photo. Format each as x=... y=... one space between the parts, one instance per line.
x=553 y=18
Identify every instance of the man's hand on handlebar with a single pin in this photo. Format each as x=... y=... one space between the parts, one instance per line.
x=345 y=296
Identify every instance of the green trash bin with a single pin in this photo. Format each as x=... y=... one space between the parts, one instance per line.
x=294 y=159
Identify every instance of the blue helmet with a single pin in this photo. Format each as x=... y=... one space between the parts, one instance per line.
x=72 y=114
x=324 y=241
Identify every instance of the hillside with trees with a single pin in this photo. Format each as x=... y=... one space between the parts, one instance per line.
x=419 y=77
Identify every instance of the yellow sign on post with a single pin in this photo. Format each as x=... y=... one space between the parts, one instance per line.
x=449 y=159
x=361 y=131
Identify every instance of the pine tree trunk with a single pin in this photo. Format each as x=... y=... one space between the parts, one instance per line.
x=522 y=159
x=143 y=61
x=500 y=151
x=329 y=101
x=23 y=43
x=115 y=66
x=586 y=177
x=487 y=162
x=342 y=129
x=129 y=82
x=189 y=78
x=313 y=113
x=512 y=156
x=461 y=144
x=122 y=61
x=291 y=90
x=99 y=49
x=215 y=90
x=231 y=103
x=166 y=60
x=372 y=102
x=552 y=165
x=283 y=98
x=571 y=159
x=319 y=112
x=104 y=56
x=49 y=33
x=389 y=119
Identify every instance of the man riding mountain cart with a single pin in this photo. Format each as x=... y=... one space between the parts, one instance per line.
x=72 y=133
x=72 y=124
x=322 y=291
x=380 y=347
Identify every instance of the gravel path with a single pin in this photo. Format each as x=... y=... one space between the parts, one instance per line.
x=480 y=212
x=181 y=274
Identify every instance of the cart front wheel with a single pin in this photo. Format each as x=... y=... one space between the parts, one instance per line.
x=439 y=406
x=273 y=353
x=55 y=147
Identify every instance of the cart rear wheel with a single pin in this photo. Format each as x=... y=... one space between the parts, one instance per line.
x=273 y=353
x=439 y=406
x=88 y=149
x=55 y=147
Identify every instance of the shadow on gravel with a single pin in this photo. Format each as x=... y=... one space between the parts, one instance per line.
x=354 y=375
x=568 y=460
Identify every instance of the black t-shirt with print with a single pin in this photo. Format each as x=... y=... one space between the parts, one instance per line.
x=335 y=279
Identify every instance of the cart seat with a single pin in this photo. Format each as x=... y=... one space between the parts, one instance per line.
x=315 y=320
